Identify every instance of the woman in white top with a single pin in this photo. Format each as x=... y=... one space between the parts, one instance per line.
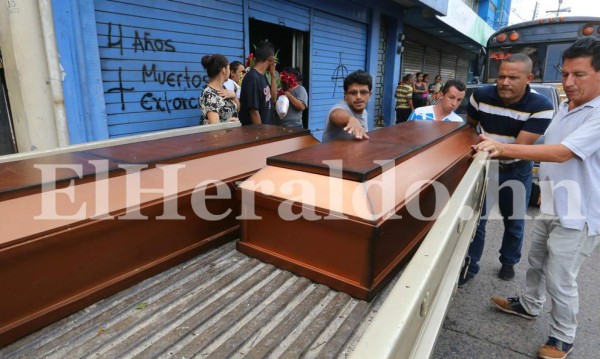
x=236 y=72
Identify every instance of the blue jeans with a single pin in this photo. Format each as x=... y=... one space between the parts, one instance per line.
x=510 y=187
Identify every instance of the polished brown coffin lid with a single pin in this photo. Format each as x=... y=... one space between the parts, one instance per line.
x=388 y=147
x=21 y=182
x=22 y=174
x=366 y=201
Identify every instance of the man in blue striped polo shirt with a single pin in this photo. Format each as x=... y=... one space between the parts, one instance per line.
x=508 y=112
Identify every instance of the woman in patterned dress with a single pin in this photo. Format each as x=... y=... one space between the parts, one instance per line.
x=217 y=103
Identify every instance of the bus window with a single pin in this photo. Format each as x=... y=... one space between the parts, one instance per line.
x=535 y=52
x=552 y=72
x=544 y=40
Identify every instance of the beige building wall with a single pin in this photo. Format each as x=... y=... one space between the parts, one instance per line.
x=27 y=75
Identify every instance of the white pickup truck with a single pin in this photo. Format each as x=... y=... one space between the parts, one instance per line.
x=224 y=304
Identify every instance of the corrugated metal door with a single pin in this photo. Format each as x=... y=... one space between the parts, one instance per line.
x=418 y=58
x=412 y=58
x=285 y=14
x=448 y=67
x=432 y=59
x=338 y=47
x=150 y=55
x=462 y=69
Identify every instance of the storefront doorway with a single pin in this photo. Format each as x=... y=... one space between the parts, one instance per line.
x=292 y=46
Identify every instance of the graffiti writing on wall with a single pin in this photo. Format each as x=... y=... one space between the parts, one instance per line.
x=150 y=73
x=340 y=73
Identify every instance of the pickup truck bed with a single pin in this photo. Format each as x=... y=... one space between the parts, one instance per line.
x=221 y=304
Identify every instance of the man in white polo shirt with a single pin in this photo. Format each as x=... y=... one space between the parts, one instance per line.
x=568 y=229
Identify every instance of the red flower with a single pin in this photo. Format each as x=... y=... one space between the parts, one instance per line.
x=250 y=61
x=288 y=81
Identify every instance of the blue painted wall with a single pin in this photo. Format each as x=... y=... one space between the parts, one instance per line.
x=133 y=67
x=75 y=29
x=150 y=56
x=392 y=71
x=287 y=14
x=503 y=14
x=496 y=19
x=332 y=59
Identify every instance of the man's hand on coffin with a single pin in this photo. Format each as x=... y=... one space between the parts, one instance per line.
x=494 y=148
x=355 y=128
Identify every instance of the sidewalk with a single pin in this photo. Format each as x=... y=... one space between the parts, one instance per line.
x=475 y=329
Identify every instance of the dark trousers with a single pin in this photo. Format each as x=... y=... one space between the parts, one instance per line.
x=402 y=114
x=514 y=222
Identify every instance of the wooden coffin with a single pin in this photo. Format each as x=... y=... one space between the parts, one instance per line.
x=347 y=213
x=52 y=267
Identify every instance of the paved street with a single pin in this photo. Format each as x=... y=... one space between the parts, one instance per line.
x=475 y=329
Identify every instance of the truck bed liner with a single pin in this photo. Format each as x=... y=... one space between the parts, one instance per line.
x=221 y=304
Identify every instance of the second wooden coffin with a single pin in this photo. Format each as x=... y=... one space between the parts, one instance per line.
x=348 y=213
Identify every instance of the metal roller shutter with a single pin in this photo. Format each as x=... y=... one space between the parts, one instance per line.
x=462 y=69
x=286 y=14
x=448 y=70
x=150 y=58
x=333 y=58
x=432 y=59
x=412 y=58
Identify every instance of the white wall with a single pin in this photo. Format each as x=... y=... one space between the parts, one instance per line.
x=27 y=78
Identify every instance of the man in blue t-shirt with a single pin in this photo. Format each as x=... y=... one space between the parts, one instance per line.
x=257 y=97
x=508 y=112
